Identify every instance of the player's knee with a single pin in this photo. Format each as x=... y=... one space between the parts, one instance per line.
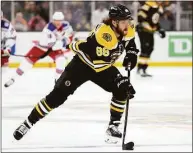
x=56 y=98
x=120 y=95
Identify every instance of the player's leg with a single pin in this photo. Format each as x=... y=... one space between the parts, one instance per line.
x=68 y=82
x=146 y=48
x=109 y=80
x=26 y=64
x=150 y=50
x=60 y=61
x=4 y=63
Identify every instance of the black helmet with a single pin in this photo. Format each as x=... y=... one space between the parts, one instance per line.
x=119 y=12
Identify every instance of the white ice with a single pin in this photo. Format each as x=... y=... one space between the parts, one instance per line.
x=160 y=116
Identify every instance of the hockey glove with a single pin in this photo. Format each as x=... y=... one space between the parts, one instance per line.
x=131 y=57
x=124 y=84
x=162 y=33
x=6 y=52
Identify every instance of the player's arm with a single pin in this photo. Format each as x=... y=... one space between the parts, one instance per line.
x=160 y=29
x=69 y=33
x=131 y=54
x=10 y=38
x=130 y=48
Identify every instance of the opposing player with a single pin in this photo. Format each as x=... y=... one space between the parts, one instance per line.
x=55 y=36
x=8 y=40
x=94 y=61
x=148 y=23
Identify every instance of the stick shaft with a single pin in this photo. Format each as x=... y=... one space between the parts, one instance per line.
x=126 y=113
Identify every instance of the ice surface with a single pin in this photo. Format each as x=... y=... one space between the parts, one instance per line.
x=160 y=116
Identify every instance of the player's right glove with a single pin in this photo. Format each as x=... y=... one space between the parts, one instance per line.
x=131 y=57
x=124 y=84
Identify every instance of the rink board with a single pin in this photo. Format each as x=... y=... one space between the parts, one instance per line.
x=174 y=50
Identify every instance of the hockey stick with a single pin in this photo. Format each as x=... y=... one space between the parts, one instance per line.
x=40 y=57
x=25 y=56
x=129 y=145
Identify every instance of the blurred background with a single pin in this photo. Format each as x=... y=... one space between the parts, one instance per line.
x=84 y=15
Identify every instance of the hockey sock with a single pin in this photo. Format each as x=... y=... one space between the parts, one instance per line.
x=116 y=110
x=40 y=111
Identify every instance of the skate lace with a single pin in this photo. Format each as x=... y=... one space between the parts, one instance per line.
x=114 y=127
x=23 y=129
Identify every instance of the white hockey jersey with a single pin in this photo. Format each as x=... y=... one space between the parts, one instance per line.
x=54 y=38
x=8 y=35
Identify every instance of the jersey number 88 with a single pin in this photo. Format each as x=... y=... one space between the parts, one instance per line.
x=102 y=51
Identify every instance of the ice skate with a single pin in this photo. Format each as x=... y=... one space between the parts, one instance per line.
x=9 y=83
x=22 y=130
x=113 y=133
x=143 y=73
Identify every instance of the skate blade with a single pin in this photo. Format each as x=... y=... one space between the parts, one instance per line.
x=146 y=75
x=112 y=140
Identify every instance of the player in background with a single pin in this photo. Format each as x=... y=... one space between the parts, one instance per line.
x=94 y=61
x=8 y=40
x=148 y=23
x=54 y=38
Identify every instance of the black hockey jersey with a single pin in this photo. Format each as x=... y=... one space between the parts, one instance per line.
x=149 y=15
x=102 y=48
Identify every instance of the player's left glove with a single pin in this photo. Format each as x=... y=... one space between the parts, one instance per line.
x=131 y=57
x=162 y=33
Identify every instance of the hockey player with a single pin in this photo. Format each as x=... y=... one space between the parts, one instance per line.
x=8 y=40
x=94 y=61
x=148 y=24
x=55 y=36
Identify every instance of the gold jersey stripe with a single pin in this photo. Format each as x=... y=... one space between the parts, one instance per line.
x=100 y=62
x=100 y=66
x=37 y=108
x=47 y=105
x=95 y=69
x=152 y=3
x=116 y=109
x=143 y=14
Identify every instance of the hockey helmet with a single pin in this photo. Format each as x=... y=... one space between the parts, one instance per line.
x=119 y=12
x=58 y=16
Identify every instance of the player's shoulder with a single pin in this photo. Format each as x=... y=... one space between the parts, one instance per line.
x=151 y=3
x=5 y=23
x=131 y=32
x=105 y=36
x=50 y=26
x=65 y=24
